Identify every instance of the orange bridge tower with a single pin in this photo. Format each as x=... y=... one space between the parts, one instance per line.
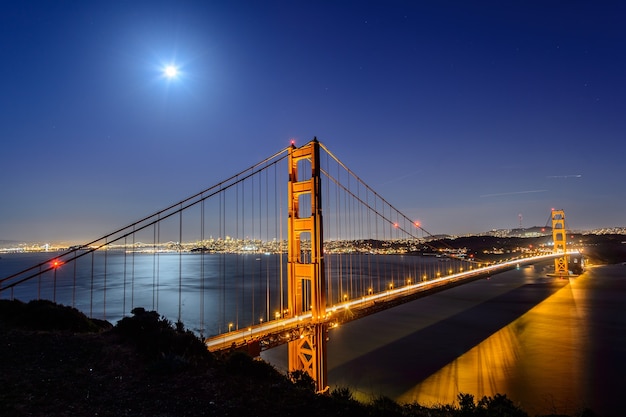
x=559 y=237
x=306 y=282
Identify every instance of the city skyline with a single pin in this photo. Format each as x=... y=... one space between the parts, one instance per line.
x=463 y=116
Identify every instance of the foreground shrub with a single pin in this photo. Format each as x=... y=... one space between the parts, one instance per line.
x=45 y=315
x=168 y=348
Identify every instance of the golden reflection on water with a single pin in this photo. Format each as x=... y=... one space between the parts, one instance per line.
x=537 y=361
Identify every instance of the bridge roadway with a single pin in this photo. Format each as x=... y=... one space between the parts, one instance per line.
x=276 y=332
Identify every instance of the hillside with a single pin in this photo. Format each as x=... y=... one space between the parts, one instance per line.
x=57 y=362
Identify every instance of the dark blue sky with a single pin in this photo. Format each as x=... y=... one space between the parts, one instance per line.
x=462 y=114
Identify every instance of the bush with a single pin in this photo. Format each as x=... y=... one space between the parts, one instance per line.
x=342 y=394
x=302 y=380
x=170 y=349
x=466 y=404
x=499 y=406
x=385 y=406
x=242 y=364
x=45 y=315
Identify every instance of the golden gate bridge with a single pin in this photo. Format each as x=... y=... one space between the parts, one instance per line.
x=279 y=253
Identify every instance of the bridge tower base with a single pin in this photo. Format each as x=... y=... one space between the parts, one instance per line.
x=306 y=282
x=559 y=237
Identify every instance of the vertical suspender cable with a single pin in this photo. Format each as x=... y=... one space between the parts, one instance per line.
x=154 y=255
x=180 y=264
x=338 y=228
x=132 y=274
x=104 y=284
x=378 y=245
x=327 y=259
x=369 y=235
x=124 y=281
x=222 y=203
x=386 y=260
x=359 y=238
x=54 y=285
x=267 y=233
x=202 y=253
x=280 y=243
x=74 y=285
x=39 y=284
x=349 y=221
x=243 y=258
x=158 y=262
x=258 y=240
x=351 y=224
x=345 y=226
x=239 y=273
x=91 y=288
x=252 y=237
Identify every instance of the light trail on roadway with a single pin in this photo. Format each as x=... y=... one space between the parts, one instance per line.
x=284 y=330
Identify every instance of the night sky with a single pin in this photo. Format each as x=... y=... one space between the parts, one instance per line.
x=463 y=115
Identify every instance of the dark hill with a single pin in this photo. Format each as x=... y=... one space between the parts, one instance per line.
x=57 y=362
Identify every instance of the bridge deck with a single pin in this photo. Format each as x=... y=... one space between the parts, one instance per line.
x=273 y=333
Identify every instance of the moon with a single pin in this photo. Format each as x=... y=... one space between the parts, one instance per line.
x=170 y=71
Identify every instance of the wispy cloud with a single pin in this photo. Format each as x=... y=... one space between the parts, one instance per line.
x=514 y=193
x=565 y=176
x=402 y=177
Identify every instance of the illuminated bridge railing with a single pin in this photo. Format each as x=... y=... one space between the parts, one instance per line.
x=266 y=335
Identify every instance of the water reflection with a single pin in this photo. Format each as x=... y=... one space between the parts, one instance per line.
x=551 y=345
x=538 y=360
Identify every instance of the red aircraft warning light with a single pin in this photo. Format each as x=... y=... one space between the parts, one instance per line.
x=56 y=263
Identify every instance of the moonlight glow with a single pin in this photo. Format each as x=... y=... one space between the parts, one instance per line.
x=170 y=71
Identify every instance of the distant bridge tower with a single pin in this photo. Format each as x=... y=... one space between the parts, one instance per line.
x=306 y=282
x=559 y=237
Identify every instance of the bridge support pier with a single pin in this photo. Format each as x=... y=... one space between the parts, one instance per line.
x=306 y=282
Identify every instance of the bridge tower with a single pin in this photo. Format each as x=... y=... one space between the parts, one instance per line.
x=559 y=237
x=306 y=282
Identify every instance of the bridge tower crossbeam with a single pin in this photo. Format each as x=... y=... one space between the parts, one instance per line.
x=306 y=282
